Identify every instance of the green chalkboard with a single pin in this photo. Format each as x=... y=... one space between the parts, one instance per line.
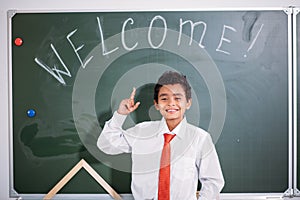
x=73 y=68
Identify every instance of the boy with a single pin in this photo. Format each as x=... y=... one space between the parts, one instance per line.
x=165 y=166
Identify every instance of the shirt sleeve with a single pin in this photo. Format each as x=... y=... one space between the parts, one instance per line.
x=112 y=139
x=210 y=173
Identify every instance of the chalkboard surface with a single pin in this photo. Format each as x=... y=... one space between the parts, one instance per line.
x=70 y=70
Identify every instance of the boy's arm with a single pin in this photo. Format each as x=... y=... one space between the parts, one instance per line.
x=210 y=173
x=112 y=140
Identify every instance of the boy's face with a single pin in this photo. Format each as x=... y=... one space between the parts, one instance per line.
x=172 y=103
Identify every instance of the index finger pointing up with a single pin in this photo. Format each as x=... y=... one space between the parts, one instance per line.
x=132 y=93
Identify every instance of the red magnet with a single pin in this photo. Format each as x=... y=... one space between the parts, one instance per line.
x=18 y=41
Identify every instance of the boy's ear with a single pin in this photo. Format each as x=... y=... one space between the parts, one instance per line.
x=189 y=103
x=156 y=105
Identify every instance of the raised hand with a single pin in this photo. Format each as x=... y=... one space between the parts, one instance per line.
x=127 y=105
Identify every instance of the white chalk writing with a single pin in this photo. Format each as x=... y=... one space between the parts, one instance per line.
x=254 y=40
x=223 y=39
x=150 y=31
x=56 y=73
x=154 y=40
x=104 y=51
x=76 y=50
x=123 y=36
x=192 y=24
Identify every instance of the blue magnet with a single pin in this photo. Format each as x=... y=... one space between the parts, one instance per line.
x=31 y=113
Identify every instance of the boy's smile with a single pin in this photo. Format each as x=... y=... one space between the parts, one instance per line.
x=172 y=104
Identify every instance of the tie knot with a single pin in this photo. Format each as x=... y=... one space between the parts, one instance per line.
x=168 y=137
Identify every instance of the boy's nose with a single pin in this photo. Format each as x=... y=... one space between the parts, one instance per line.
x=171 y=102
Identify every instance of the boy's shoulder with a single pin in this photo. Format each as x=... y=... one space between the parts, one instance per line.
x=200 y=136
x=196 y=130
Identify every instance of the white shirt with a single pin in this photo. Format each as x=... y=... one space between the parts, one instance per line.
x=193 y=157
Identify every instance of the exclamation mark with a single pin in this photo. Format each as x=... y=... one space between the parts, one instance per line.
x=254 y=39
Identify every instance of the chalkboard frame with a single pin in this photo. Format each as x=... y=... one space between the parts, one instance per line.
x=292 y=109
x=296 y=138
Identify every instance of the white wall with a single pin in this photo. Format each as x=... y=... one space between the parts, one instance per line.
x=92 y=5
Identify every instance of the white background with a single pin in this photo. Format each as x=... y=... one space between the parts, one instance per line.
x=76 y=5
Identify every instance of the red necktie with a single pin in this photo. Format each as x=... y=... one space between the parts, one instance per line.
x=164 y=171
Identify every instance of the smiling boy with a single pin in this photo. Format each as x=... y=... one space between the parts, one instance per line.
x=192 y=153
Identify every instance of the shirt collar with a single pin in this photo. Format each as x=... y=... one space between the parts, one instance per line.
x=177 y=130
